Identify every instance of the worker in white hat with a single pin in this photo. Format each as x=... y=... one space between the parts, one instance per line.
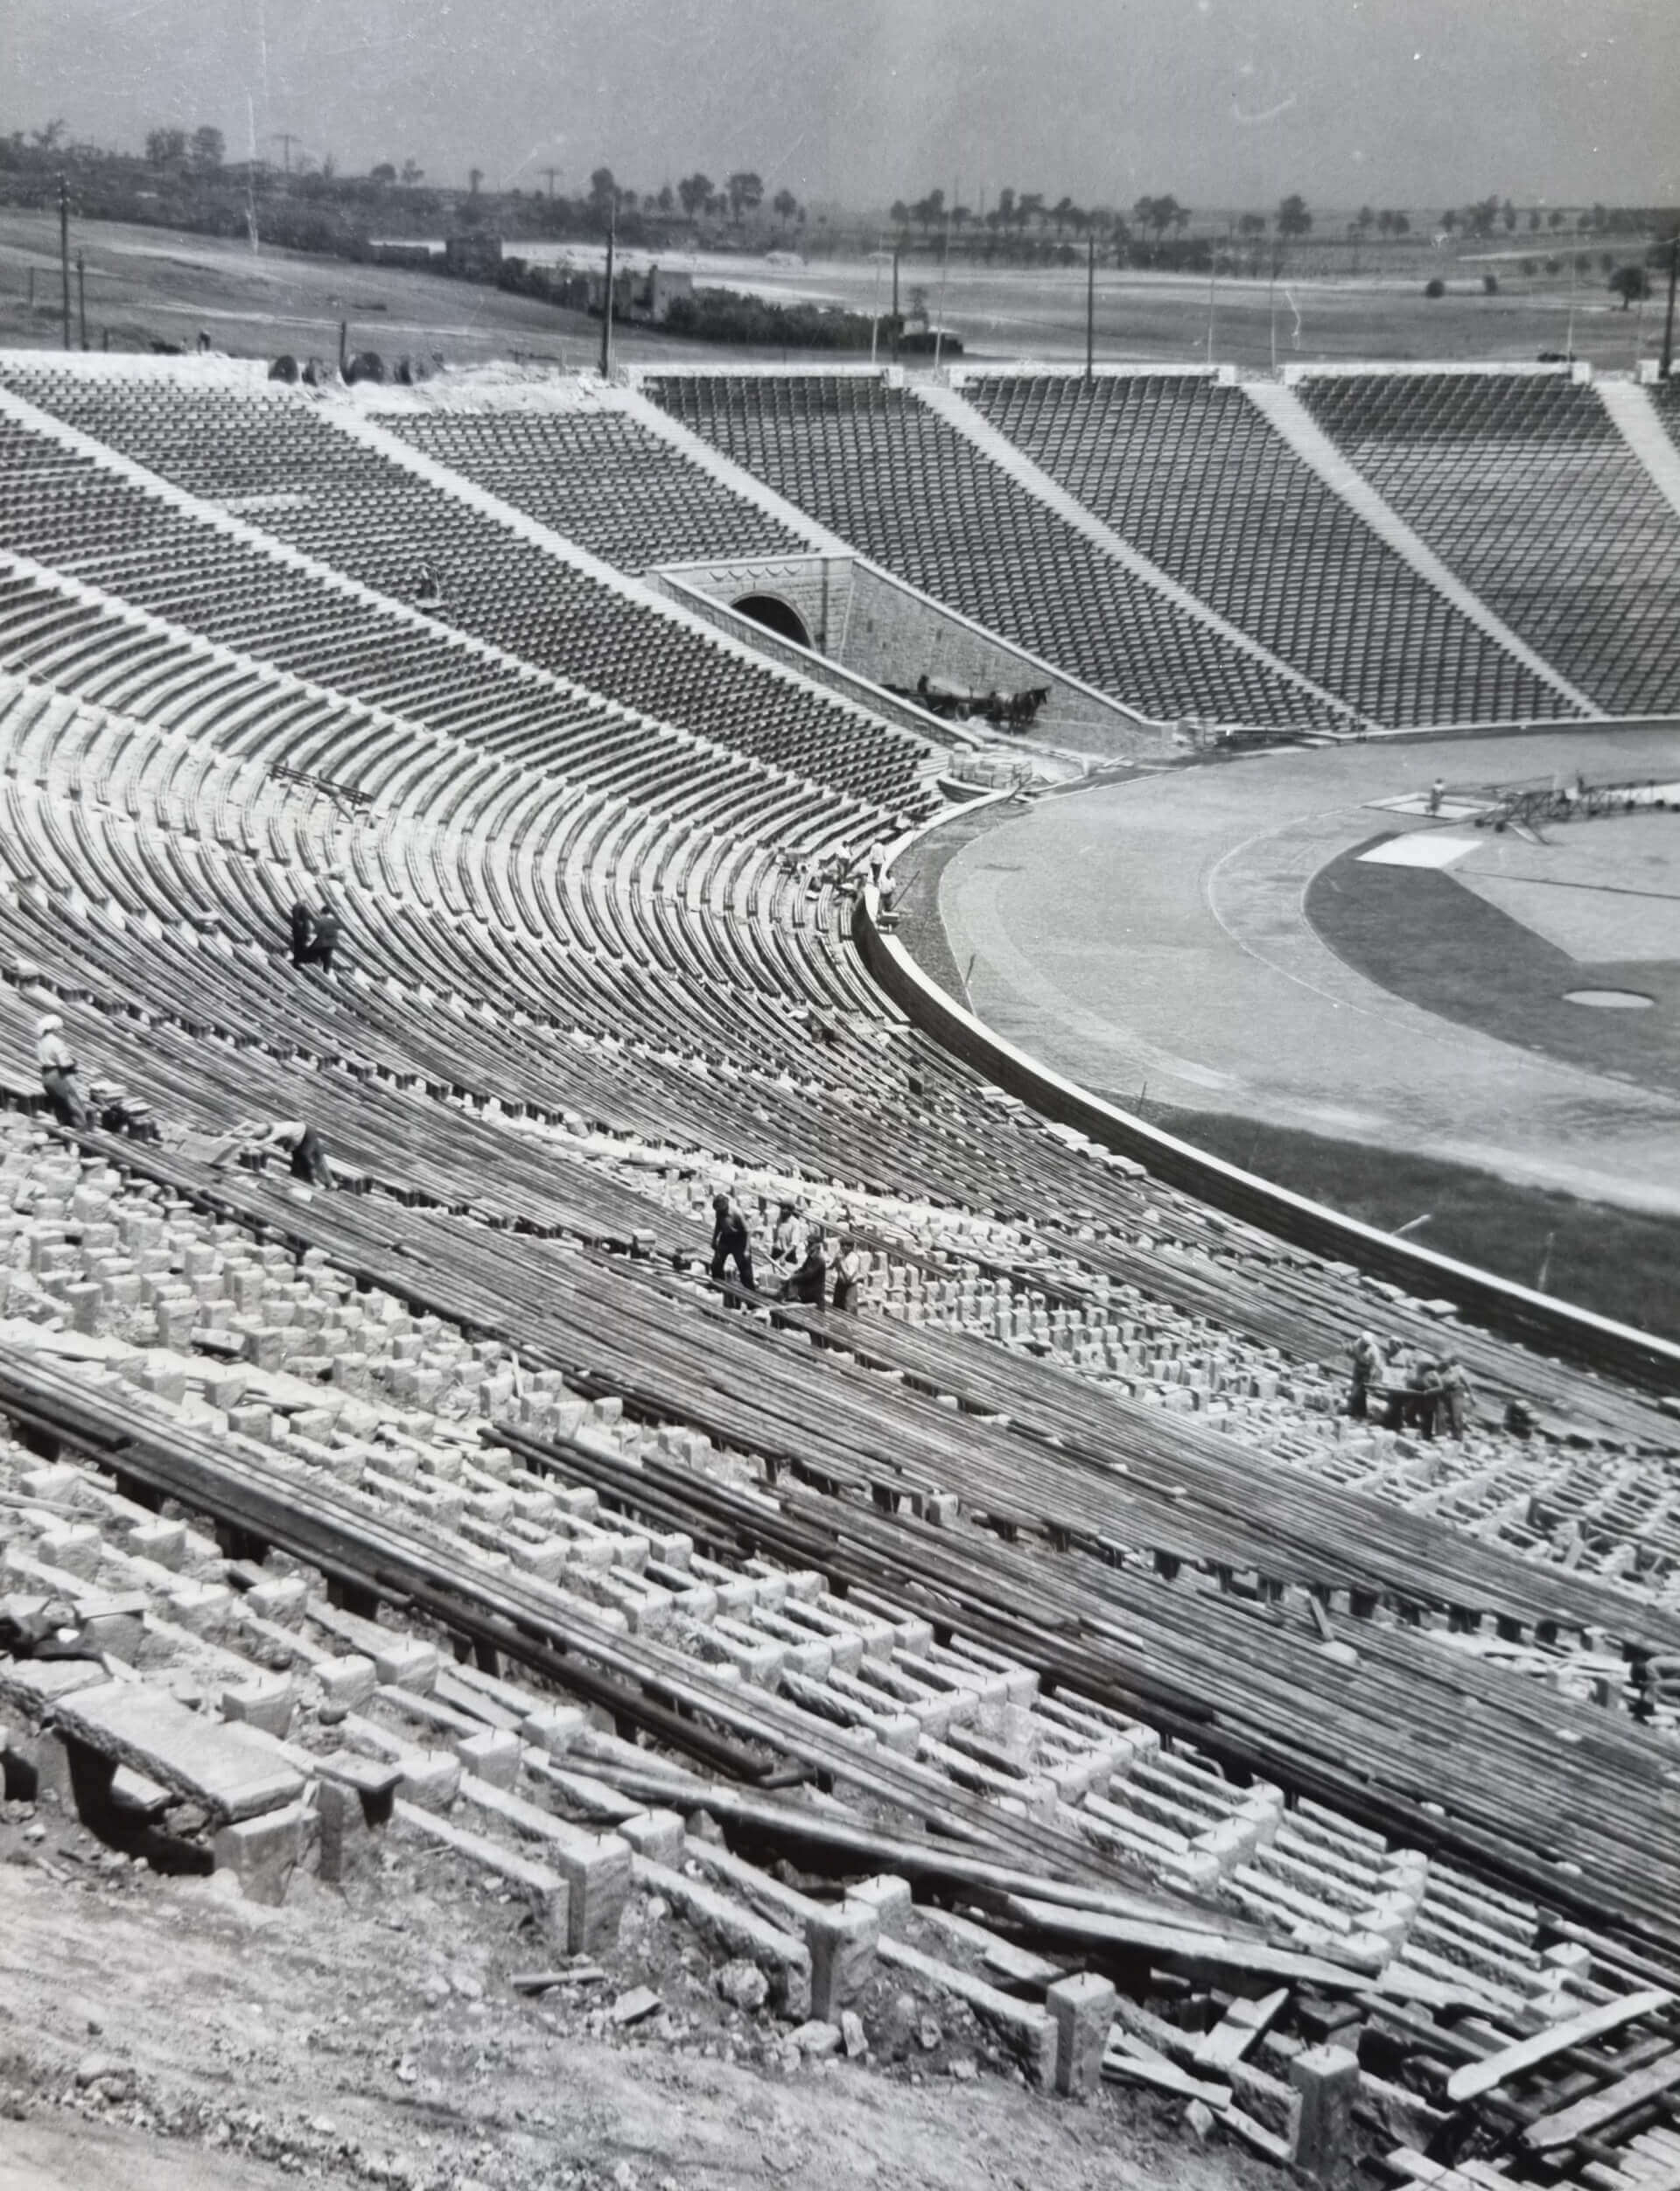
x=57 y=1061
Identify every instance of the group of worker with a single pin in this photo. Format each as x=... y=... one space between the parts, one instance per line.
x=1427 y=1393
x=805 y=1268
x=315 y=935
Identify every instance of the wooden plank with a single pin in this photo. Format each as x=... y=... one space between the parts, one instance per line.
x=1477 y=2077
x=1214 y=1955
x=1236 y=2031
x=1130 y=2060
x=1598 y=2109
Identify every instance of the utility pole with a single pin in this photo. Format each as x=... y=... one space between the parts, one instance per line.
x=607 y=301
x=550 y=172
x=64 y=251
x=944 y=276
x=1668 y=324
x=81 y=297
x=285 y=140
x=1091 y=306
x=1569 y=340
x=1211 y=272
x=895 y=300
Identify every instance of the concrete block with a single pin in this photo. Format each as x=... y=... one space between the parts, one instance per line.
x=431 y=1778
x=656 y=1834
x=162 y=1542
x=347 y=1682
x=355 y=1806
x=1082 y=2010
x=263 y=1854
x=405 y=1662
x=889 y=1898
x=492 y=1756
x=283 y=1601
x=1327 y=2080
x=267 y=1702
x=269 y=1345
x=597 y=1867
x=841 y=1947
x=554 y=1729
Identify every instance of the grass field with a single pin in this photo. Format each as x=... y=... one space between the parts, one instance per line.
x=1616 y=1262
x=145 y=284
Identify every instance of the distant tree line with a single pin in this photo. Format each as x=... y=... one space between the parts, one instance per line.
x=185 y=179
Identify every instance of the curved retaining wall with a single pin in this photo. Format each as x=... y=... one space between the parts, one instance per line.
x=1552 y=1327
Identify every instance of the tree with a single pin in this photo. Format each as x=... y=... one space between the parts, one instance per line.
x=667 y=199
x=1294 y=218
x=603 y=191
x=928 y=212
x=384 y=174
x=412 y=173
x=695 y=192
x=1005 y=213
x=209 y=149
x=785 y=206
x=1401 y=224
x=165 y=148
x=745 y=194
x=899 y=213
x=1631 y=283
x=1508 y=214
x=1158 y=214
x=1479 y=218
x=47 y=140
x=474 y=177
x=1449 y=221
x=1555 y=219
x=1364 y=220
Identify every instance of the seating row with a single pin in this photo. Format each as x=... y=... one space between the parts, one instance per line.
x=1197 y=478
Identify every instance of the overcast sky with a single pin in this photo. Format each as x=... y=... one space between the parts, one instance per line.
x=1419 y=103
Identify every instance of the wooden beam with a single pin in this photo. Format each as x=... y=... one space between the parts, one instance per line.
x=1477 y=2077
x=1598 y=2109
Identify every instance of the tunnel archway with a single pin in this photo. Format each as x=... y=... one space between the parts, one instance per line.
x=774 y=614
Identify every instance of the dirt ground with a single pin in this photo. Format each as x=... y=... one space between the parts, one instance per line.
x=145 y=284
x=155 y=2031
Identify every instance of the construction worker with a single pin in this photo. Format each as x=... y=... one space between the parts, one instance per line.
x=848 y=1276
x=787 y=1241
x=1437 y=792
x=293 y=1138
x=57 y=1062
x=808 y=1283
x=731 y=1242
x=302 y=932
x=1367 y=1367
x=1456 y=1395
x=328 y=931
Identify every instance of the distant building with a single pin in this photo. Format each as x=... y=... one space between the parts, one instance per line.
x=421 y=251
x=474 y=256
x=576 y=277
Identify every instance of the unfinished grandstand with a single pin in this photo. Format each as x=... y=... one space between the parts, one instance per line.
x=1041 y=1640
